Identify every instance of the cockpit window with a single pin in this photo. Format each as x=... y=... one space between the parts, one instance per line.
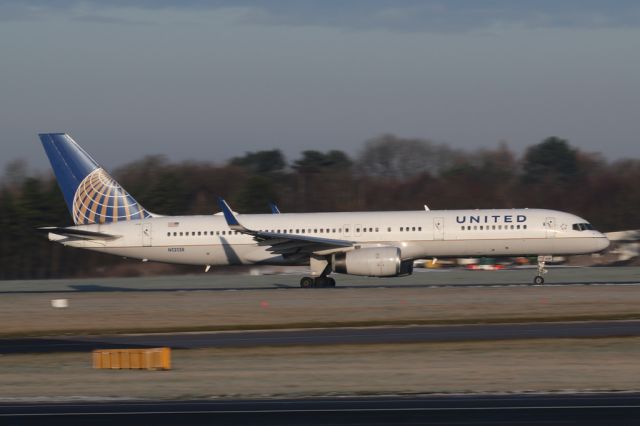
x=582 y=227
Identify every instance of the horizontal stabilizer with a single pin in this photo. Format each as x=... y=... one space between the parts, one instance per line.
x=78 y=233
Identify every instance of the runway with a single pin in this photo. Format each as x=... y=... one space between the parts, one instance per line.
x=540 y=409
x=422 y=278
x=338 y=336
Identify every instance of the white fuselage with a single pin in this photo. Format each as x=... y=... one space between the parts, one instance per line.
x=208 y=240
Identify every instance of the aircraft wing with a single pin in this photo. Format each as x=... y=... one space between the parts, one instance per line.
x=78 y=233
x=284 y=244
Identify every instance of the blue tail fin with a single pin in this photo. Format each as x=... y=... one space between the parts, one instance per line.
x=92 y=195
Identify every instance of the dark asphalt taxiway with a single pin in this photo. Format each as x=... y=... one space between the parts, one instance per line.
x=574 y=409
x=370 y=335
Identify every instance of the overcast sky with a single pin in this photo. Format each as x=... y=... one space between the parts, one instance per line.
x=208 y=80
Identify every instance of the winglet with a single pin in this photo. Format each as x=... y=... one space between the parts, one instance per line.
x=274 y=208
x=229 y=216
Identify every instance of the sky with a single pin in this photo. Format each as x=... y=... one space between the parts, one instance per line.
x=210 y=80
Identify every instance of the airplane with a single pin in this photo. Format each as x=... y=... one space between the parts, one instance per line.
x=108 y=219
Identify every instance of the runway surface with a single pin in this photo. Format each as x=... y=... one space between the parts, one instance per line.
x=370 y=335
x=422 y=278
x=566 y=409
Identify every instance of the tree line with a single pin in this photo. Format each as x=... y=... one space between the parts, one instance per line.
x=389 y=173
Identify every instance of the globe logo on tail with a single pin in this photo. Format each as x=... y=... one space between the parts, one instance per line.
x=100 y=199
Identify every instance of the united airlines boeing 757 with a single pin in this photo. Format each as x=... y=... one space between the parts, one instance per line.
x=378 y=244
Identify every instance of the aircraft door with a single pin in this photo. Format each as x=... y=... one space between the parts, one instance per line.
x=146 y=234
x=550 y=225
x=438 y=228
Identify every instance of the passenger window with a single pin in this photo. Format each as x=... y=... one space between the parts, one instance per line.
x=419 y=228
x=481 y=227
x=462 y=227
x=401 y=229
x=168 y=234
x=524 y=226
x=518 y=227
x=357 y=229
x=181 y=234
x=511 y=226
x=389 y=229
x=413 y=229
x=175 y=233
x=468 y=227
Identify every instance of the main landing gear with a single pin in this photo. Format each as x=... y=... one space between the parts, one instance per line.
x=320 y=267
x=318 y=282
x=539 y=280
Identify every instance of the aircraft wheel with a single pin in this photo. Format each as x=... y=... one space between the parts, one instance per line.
x=307 y=282
x=331 y=282
x=321 y=282
x=538 y=280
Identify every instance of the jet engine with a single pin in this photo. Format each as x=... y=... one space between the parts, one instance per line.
x=372 y=262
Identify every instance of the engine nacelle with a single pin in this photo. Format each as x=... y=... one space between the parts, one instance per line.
x=372 y=262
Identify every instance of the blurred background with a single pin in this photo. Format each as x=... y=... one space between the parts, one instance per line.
x=319 y=106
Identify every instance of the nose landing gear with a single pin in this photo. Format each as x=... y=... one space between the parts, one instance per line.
x=539 y=280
